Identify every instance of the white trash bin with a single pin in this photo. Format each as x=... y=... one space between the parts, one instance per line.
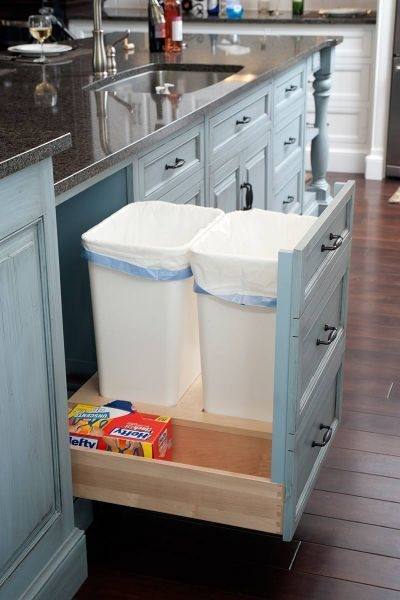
x=144 y=308
x=235 y=266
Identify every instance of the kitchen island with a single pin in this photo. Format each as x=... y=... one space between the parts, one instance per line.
x=246 y=125
x=234 y=123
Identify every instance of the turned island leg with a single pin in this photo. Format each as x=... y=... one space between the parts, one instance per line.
x=320 y=144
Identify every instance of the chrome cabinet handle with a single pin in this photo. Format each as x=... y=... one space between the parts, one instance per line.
x=290 y=141
x=326 y=438
x=243 y=121
x=333 y=331
x=289 y=200
x=292 y=88
x=338 y=241
x=179 y=162
x=249 y=196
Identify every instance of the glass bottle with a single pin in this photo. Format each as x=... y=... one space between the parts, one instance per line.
x=298 y=7
x=173 y=22
x=156 y=26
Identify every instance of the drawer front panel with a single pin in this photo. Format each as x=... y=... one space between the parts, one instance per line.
x=289 y=89
x=318 y=339
x=318 y=259
x=288 y=199
x=228 y=127
x=171 y=164
x=288 y=140
x=315 y=435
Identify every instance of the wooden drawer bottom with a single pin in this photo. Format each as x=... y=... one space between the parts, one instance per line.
x=220 y=469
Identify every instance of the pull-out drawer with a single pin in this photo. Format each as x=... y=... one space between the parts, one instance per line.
x=289 y=88
x=170 y=164
x=229 y=128
x=288 y=142
x=219 y=472
x=288 y=198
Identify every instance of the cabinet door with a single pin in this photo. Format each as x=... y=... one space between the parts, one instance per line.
x=37 y=533
x=256 y=170
x=225 y=186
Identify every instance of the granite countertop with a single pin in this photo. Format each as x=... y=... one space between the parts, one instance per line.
x=108 y=127
x=85 y=11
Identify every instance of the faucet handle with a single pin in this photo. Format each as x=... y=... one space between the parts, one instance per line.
x=126 y=43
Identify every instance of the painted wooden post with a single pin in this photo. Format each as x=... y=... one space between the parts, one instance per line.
x=320 y=144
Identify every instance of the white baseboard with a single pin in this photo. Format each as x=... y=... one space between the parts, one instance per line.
x=343 y=161
x=374 y=167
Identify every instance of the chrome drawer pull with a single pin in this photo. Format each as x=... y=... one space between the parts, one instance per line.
x=292 y=88
x=290 y=141
x=333 y=331
x=179 y=162
x=336 y=244
x=249 y=196
x=289 y=200
x=244 y=121
x=326 y=438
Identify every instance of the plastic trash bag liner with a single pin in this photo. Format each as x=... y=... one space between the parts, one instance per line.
x=149 y=239
x=237 y=258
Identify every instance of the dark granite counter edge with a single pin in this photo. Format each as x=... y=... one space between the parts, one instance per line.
x=34 y=155
x=193 y=118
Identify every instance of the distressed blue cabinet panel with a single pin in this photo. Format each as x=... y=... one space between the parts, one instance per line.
x=74 y=217
x=308 y=396
x=38 y=541
x=31 y=496
x=186 y=194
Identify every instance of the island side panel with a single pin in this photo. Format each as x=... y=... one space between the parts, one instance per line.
x=74 y=217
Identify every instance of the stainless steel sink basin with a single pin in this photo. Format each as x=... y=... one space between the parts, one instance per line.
x=172 y=80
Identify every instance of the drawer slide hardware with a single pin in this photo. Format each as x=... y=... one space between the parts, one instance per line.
x=336 y=244
x=331 y=337
x=326 y=438
x=249 y=196
x=243 y=121
x=179 y=162
x=290 y=141
x=290 y=89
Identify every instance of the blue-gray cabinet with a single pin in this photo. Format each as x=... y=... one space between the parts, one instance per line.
x=42 y=555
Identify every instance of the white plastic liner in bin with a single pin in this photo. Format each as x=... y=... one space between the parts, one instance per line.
x=144 y=308
x=235 y=266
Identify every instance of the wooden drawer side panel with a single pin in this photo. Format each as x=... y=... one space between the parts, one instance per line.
x=206 y=494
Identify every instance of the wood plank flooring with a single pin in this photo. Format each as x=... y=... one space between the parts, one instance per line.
x=347 y=545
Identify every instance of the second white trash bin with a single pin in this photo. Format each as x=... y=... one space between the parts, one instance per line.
x=235 y=266
x=144 y=308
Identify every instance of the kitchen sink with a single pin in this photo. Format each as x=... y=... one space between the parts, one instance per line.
x=167 y=79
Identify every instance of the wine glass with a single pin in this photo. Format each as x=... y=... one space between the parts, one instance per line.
x=40 y=28
x=45 y=93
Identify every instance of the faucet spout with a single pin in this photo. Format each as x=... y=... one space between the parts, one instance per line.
x=99 y=50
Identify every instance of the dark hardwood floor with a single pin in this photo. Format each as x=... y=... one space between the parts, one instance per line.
x=347 y=545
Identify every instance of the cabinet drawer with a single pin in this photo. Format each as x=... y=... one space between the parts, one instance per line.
x=288 y=199
x=321 y=333
x=219 y=472
x=170 y=164
x=288 y=140
x=229 y=127
x=289 y=89
x=315 y=435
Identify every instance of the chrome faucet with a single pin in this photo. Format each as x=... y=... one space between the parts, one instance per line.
x=99 y=50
